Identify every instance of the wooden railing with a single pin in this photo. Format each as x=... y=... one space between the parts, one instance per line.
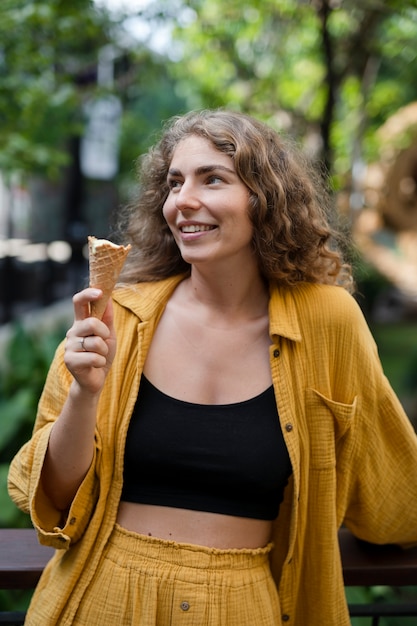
x=367 y=565
x=22 y=560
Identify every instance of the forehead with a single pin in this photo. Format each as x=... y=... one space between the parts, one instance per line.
x=193 y=151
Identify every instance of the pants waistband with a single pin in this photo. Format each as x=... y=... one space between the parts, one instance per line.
x=185 y=554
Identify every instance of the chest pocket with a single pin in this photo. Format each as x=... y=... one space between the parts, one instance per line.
x=329 y=423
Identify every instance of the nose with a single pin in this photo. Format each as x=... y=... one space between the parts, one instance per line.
x=186 y=197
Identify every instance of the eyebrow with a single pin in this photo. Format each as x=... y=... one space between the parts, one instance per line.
x=203 y=169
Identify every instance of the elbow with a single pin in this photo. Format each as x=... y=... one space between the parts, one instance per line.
x=60 y=495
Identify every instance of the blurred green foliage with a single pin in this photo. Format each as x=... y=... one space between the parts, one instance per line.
x=329 y=73
x=47 y=49
x=397 y=344
x=22 y=375
x=382 y=595
x=49 y=56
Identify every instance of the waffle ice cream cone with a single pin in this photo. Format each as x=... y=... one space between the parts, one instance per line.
x=106 y=260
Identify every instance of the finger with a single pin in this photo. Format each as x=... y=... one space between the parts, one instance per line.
x=88 y=327
x=108 y=314
x=80 y=363
x=82 y=300
x=92 y=344
x=82 y=344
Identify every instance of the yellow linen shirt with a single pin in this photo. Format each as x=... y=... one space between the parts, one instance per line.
x=352 y=448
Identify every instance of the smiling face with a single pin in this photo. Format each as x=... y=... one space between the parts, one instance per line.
x=207 y=205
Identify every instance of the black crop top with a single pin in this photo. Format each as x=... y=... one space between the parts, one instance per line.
x=228 y=459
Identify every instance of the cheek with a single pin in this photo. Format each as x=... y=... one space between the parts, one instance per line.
x=168 y=211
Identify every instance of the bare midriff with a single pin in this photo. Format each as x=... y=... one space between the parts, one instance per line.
x=194 y=527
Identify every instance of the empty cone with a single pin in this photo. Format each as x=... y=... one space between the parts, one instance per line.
x=106 y=260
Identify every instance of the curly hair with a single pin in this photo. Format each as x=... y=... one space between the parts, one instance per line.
x=289 y=205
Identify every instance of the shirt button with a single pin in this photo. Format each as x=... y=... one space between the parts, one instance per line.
x=72 y=521
x=276 y=352
x=288 y=427
x=185 y=606
x=285 y=618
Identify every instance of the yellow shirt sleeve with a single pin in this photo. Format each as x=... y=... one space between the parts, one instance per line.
x=55 y=528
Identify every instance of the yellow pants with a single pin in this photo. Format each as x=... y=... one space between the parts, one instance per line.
x=144 y=581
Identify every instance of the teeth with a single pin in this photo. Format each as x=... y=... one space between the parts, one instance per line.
x=195 y=228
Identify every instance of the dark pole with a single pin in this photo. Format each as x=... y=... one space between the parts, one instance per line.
x=8 y=288
x=76 y=227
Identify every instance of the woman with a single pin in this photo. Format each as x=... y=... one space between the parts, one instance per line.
x=199 y=472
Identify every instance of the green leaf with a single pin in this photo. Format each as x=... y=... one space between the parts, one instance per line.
x=15 y=413
x=10 y=515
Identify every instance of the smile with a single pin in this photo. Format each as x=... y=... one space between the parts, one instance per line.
x=195 y=228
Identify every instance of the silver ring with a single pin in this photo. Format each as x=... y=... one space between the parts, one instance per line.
x=82 y=344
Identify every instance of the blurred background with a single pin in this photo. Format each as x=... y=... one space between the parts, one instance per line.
x=85 y=87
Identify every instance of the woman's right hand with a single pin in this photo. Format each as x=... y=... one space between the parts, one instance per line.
x=91 y=343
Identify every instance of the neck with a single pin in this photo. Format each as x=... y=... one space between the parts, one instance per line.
x=229 y=293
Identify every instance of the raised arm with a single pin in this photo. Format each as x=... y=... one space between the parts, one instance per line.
x=89 y=353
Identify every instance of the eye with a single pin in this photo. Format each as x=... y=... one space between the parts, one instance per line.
x=174 y=183
x=214 y=179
